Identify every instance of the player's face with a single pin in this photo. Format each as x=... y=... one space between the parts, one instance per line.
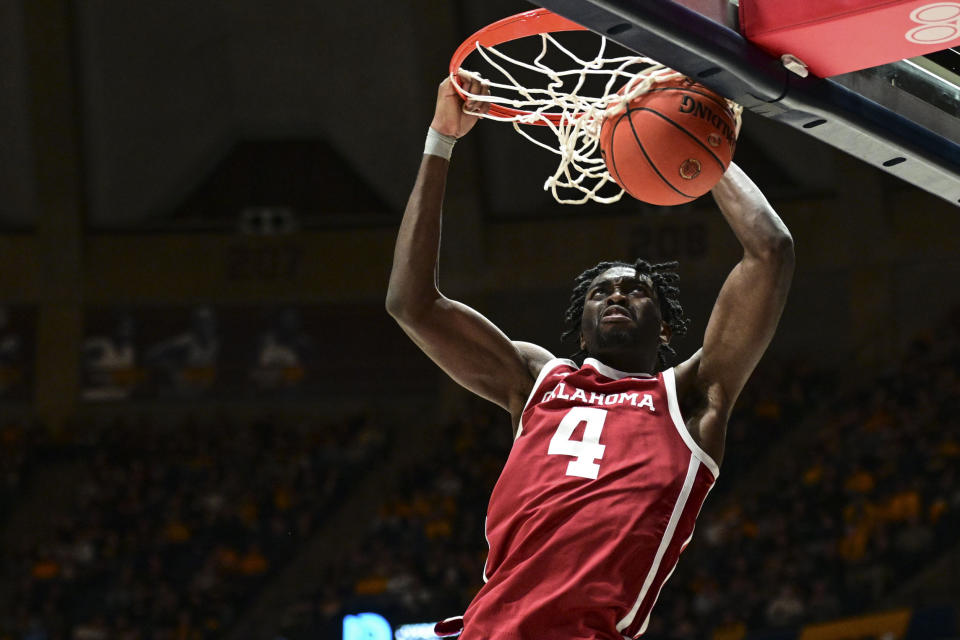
x=621 y=312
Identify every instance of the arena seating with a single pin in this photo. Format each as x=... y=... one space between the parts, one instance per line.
x=868 y=500
x=843 y=522
x=175 y=527
x=17 y=444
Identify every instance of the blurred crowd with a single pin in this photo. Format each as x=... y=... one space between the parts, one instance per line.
x=869 y=499
x=423 y=553
x=870 y=496
x=17 y=445
x=174 y=528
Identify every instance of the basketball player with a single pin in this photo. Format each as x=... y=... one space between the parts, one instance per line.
x=613 y=459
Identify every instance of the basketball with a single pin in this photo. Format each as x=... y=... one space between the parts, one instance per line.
x=672 y=144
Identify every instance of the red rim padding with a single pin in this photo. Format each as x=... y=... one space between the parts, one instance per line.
x=521 y=25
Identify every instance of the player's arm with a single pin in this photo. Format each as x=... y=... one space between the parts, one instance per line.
x=746 y=312
x=467 y=346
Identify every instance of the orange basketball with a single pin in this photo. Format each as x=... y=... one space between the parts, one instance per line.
x=671 y=144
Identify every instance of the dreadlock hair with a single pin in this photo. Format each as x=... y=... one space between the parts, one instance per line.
x=665 y=279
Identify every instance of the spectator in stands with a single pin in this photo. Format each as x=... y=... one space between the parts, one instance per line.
x=786 y=607
x=150 y=503
x=282 y=354
x=11 y=354
x=109 y=363
x=187 y=362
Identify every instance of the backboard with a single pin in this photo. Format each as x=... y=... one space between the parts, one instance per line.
x=902 y=117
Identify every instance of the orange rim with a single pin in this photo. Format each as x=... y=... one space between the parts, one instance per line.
x=528 y=23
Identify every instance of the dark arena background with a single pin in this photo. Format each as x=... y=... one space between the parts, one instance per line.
x=211 y=428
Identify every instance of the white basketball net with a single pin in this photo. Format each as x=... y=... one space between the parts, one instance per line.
x=581 y=170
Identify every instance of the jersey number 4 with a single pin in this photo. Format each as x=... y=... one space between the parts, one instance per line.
x=586 y=451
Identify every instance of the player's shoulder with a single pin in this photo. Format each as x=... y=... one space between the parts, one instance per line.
x=534 y=356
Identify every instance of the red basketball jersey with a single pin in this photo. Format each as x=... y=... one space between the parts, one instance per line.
x=591 y=512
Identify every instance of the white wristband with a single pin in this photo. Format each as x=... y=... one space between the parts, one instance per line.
x=438 y=144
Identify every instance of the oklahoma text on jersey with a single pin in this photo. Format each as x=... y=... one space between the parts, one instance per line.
x=596 y=502
x=566 y=393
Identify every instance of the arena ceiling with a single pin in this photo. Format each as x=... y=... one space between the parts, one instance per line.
x=180 y=102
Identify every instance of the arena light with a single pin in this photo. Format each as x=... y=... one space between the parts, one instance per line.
x=366 y=626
